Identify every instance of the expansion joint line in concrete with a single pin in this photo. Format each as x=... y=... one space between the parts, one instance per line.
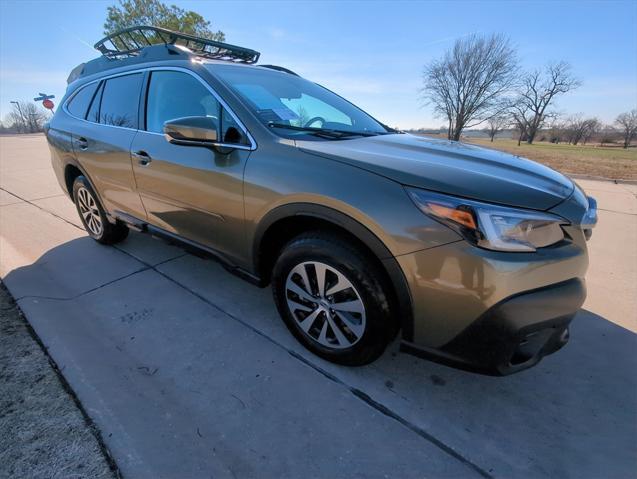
x=353 y=390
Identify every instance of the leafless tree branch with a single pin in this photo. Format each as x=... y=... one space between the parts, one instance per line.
x=467 y=85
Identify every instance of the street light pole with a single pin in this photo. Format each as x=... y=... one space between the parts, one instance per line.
x=22 y=120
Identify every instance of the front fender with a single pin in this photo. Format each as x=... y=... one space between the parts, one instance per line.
x=280 y=175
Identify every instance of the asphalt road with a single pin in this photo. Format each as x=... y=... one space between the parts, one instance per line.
x=188 y=371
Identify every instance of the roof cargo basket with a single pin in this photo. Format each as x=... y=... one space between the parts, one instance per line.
x=130 y=41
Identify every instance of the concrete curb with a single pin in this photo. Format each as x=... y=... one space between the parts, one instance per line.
x=601 y=178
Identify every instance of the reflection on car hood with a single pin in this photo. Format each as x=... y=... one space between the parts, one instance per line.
x=451 y=167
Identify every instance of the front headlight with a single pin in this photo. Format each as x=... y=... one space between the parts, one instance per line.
x=489 y=226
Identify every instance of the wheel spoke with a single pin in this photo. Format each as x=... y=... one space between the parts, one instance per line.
x=320 y=278
x=291 y=286
x=341 y=285
x=82 y=201
x=340 y=337
x=323 y=336
x=355 y=306
x=307 y=323
x=354 y=327
x=294 y=306
x=302 y=272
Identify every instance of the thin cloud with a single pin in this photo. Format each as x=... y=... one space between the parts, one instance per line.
x=32 y=77
x=77 y=38
x=448 y=39
x=277 y=33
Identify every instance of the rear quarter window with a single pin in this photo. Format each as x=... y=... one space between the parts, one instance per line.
x=120 y=101
x=81 y=100
x=94 y=111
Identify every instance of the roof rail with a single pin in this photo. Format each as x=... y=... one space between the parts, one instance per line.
x=279 y=69
x=130 y=41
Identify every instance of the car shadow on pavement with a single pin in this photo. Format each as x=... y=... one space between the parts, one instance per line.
x=573 y=415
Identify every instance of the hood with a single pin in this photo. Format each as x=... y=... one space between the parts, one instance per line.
x=451 y=167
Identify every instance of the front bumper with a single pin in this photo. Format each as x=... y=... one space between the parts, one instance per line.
x=514 y=334
x=489 y=311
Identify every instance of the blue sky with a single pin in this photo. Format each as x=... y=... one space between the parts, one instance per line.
x=371 y=52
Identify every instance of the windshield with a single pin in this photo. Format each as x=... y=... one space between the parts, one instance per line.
x=293 y=106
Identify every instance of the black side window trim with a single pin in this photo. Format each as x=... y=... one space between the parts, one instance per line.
x=97 y=96
x=143 y=100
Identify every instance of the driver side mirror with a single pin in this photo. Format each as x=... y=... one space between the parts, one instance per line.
x=192 y=130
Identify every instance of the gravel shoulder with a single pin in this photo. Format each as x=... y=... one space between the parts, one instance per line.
x=43 y=433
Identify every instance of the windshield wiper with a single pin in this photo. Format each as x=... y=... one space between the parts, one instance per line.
x=327 y=133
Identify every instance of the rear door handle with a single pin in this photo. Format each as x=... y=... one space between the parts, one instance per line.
x=82 y=143
x=142 y=157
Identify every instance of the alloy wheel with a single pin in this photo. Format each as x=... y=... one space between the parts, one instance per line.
x=89 y=211
x=325 y=305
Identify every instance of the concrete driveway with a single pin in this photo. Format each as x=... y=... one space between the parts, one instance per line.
x=188 y=371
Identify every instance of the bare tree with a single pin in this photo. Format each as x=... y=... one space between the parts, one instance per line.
x=16 y=117
x=592 y=127
x=522 y=117
x=36 y=116
x=26 y=117
x=496 y=124
x=16 y=122
x=555 y=132
x=627 y=123
x=608 y=135
x=578 y=129
x=466 y=86
x=538 y=91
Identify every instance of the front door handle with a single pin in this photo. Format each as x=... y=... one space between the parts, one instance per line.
x=82 y=143
x=142 y=157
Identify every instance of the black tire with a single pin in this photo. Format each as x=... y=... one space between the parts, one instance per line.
x=90 y=210
x=339 y=256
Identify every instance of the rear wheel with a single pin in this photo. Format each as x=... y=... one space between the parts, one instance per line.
x=331 y=296
x=93 y=216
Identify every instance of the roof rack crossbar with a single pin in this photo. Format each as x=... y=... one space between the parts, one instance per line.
x=134 y=41
x=146 y=38
x=126 y=43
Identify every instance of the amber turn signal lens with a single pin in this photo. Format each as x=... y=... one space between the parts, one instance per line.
x=465 y=218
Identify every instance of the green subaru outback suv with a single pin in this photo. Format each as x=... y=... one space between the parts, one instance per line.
x=476 y=257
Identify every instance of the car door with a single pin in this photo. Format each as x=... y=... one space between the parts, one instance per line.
x=195 y=192
x=102 y=140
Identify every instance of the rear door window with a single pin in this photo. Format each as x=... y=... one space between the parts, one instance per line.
x=81 y=100
x=120 y=101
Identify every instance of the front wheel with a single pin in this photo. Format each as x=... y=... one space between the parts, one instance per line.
x=332 y=297
x=93 y=216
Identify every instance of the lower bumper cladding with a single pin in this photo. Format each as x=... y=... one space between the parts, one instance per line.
x=513 y=335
